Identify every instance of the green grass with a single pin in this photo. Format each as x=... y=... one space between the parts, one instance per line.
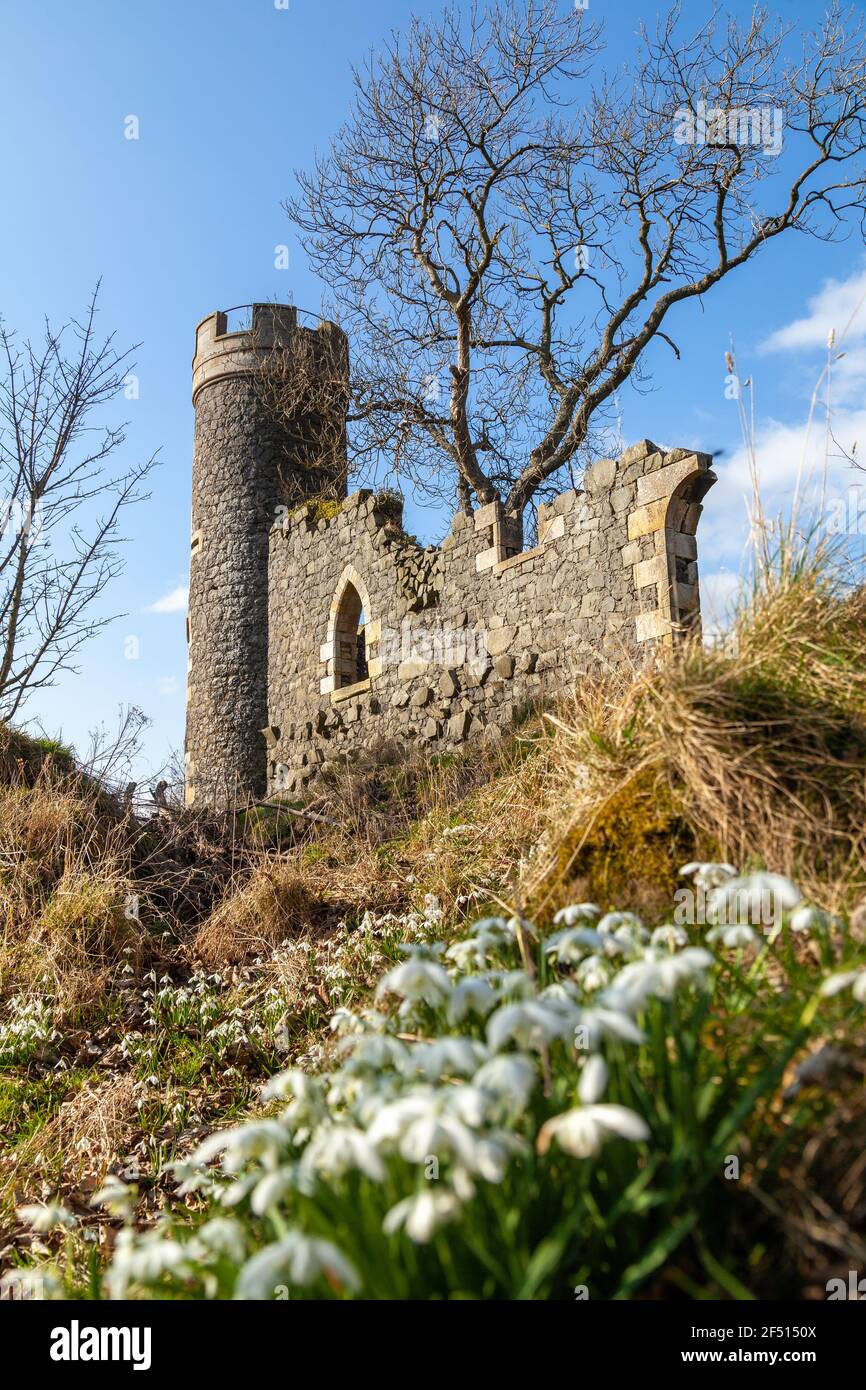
x=28 y=1103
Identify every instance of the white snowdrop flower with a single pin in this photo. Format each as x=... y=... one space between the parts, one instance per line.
x=593 y=1080
x=512 y=984
x=145 y=1258
x=344 y=1021
x=855 y=978
x=267 y=1190
x=515 y=925
x=44 y=1217
x=416 y=980
x=641 y=980
x=421 y=950
x=469 y=1103
x=421 y=1215
x=392 y=1117
x=223 y=1236
x=486 y=937
x=754 y=898
x=238 y=1191
x=708 y=875
x=116 y=1196
x=423 y=1123
x=462 y=1182
x=576 y=912
x=629 y=936
x=582 y=1132
x=295 y=1259
x=307 y=1108
x=297 y=1084
x=632 y=987
x=561 y=995
x=491 y=1155
x=432 y=908
x=593 y=973
x=491 y=926
x=806 y=919
x=734 y=937
x=472 y=952
x=572 y=943
x=337 y=1149
x=670 y=937
x=438 y=1134
x=471 y=994
x=373 y=1052
x=510 y=1077
x=604 y=1022
x=612 y=920
x=259 y=1139
x=445 y=1057
x=687 y=966
x=531 y=1024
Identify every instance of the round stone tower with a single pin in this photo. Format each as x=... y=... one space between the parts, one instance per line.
x=253 y=455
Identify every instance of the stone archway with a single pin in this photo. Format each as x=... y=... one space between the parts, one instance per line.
x=347 y=650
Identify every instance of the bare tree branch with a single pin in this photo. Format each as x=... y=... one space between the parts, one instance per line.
x=52 y=457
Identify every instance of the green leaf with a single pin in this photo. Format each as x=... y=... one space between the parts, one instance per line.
x=655 y=1256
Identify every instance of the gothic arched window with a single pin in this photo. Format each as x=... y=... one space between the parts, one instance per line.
x=350 y=648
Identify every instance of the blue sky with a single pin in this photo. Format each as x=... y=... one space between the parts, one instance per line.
x=231 y=95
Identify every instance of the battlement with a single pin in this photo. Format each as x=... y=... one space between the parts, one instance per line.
x=221 y=354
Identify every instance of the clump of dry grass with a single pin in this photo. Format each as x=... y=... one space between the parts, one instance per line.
x=275 y=903
x=85 y=933
x=754 y=751
x=65 y=883
x=82 y=1140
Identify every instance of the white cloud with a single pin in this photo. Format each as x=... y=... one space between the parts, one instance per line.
x=839 y=305
x=785 y=453
x=718 y=595
x=174 y=602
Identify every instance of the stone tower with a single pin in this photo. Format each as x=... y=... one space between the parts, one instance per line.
x=250 y=460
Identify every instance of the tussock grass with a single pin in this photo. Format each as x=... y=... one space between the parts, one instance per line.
x=81 y=1140
x=753 y=751
x=275 y=903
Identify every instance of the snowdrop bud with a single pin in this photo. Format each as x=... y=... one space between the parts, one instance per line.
x=593 y=1080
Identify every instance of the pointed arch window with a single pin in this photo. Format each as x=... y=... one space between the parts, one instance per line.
x=349 y=653
x=350 y=646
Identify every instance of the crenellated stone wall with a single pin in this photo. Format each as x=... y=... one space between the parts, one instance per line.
x=458 y=639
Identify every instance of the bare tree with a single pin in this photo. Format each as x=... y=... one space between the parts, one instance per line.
x=112 y=753
x=302 y=386
x=60 y=507
x=505 y=230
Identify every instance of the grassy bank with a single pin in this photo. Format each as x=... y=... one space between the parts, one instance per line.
x=512 y=1049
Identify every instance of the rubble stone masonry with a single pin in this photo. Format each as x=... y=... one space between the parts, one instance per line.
x=331 y=633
